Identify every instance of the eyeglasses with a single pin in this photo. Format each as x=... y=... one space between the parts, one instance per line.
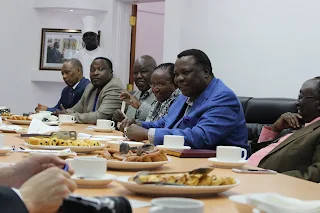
x=160 y=86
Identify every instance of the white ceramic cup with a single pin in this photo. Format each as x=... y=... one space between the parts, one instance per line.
x=1 y=141
x=105 y=124
x=231 y=153
x=89 y=167
x=66 y=118
x=176 y=205
x=173 y=141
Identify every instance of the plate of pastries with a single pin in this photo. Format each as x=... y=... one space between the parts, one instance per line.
x=177 y=184
x=148 y=159
x=47 y=143
x=5 y=115
x=19 y=119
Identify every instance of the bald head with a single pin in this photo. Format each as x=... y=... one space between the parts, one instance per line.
x=142 y=70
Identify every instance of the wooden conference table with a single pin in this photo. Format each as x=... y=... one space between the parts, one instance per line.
x=250 y=183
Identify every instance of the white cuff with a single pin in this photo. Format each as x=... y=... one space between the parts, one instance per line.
x=151 y=134
x=18 y=193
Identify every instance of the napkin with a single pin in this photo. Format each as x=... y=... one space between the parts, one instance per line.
x=11 y=127
x=273 y=202
x=107 y=137
x=38 y=127
x=83 y=136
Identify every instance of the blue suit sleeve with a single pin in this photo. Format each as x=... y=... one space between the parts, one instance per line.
x=52 y=109
x=57 y=107
x=213 y=126
x=156 y=124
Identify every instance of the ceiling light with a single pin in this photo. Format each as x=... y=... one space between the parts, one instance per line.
x=71 y=10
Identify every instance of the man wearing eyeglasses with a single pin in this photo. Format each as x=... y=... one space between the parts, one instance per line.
x=297 y=153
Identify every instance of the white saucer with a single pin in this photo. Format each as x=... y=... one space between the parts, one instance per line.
x=174 y=148
x=67 y=122
x=94 y=182
x=97 y=129
x=230 y=165
x=4 y=150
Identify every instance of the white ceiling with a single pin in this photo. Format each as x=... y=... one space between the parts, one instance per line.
x=140 y=1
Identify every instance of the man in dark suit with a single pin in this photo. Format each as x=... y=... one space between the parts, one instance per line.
x=73 y=76
x=298 y=153
x=35 y=185
x=55 y=55
x=207 y=114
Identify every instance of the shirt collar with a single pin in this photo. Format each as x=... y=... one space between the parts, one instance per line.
x=75 y=86
x=146 y=94
x=313 y=121
x=189 y=102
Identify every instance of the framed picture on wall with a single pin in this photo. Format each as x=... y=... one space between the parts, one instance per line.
x=58 y=45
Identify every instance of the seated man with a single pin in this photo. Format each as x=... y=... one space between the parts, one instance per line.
x=165 y=90
x=296 y=154
x=101 y=97
x=72 y=75
x=140 y=102
x=208 y=113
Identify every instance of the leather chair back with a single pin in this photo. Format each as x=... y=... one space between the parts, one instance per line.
x=264 y=111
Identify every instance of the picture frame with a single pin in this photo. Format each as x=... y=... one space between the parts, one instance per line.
x=58 y=45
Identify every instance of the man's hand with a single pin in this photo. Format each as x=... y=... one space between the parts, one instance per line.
x=32 y=165
x=62 y=111
x=287 y=120
x=41 y=107
x=118 y=116
x=137 y=133
x=126 y=123
x=130 y=99
x=45 y=191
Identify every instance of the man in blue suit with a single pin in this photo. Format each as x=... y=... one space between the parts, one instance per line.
x=73 y=76
x=207 y=114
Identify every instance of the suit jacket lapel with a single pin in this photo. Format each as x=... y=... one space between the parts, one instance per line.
x=295 y=136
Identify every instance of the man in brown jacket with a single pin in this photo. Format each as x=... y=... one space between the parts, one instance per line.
x=298 y=153
x=101 y=97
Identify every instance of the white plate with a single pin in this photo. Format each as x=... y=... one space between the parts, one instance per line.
x=22 y=131
x=174 y=148
x=97 y=129
x=67 y=122
x=230 y=165
x=7 y=130
x=109 y=137
x=114 y=164
x=81 y=149
x=93 y=182
x=19 y=122
x=183 y=191
x=5 y=150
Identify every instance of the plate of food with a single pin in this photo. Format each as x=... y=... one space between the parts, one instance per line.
x=131 y=161
x=183 y=184
x=83 y=146
x=19 y=119
x=9 y=128
x=5 y=115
